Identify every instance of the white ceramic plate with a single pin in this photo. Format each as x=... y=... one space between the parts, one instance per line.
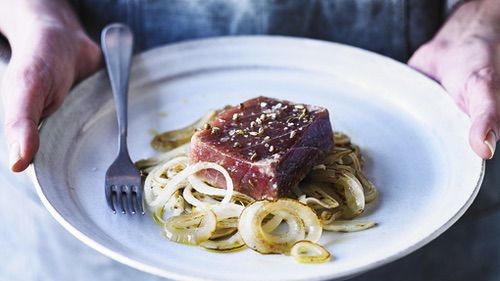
x=413 y=137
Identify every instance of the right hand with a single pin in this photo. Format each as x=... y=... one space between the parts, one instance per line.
x=49 y=54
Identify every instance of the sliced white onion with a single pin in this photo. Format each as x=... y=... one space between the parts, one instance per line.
x=315 y=202
x=328 y=216
x=296 y=230
x=157 y=175
x=220 y=233
x=356 y=164
x=348 y=226
x=272 y=224
x=316 y=195
x=187 y=193
x=155 y=182
x=353 y=191
x=308 y=252
x=368 y=187
x=158 y=216
x=223 y=212
x=227 y=217
x=229 y=210
x=232 y=243
x=204 y=188
x=242 y=198
x=147 y=165
x=247 y=229
x=228 y=223
x=205 y=198
x=174 y=207
x=302 y=222
x=192 y=228
x=175 y=183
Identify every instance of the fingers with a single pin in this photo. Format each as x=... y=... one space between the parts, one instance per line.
x=475 y=92
x=25 y=89
x=40 y=73
x=483 y=91
x=23 y=143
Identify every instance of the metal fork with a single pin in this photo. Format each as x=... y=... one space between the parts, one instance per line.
x=123 y=184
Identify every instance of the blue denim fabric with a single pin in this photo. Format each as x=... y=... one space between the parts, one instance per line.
x=33 y=246
x=390 y=27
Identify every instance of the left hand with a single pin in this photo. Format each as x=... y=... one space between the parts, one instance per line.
x=465 y=58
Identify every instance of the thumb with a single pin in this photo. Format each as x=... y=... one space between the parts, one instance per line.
x=423 y=60
x=483 y=91
x=25 y=91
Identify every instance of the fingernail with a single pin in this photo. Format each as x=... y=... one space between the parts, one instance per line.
x=491 y=142
x=14 y=154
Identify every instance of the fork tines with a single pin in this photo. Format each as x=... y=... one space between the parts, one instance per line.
x=124 y=197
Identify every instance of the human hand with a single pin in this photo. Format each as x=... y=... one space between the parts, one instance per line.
x=465 y=58
x=50 y=52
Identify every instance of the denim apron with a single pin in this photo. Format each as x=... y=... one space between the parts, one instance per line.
x=390 y=27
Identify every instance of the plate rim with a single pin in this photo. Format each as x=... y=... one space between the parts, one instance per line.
x=31 y=172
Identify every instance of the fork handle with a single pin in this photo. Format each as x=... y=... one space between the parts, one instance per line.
x=117 y=43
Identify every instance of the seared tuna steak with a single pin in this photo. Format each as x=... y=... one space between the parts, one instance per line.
x=266 y=145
